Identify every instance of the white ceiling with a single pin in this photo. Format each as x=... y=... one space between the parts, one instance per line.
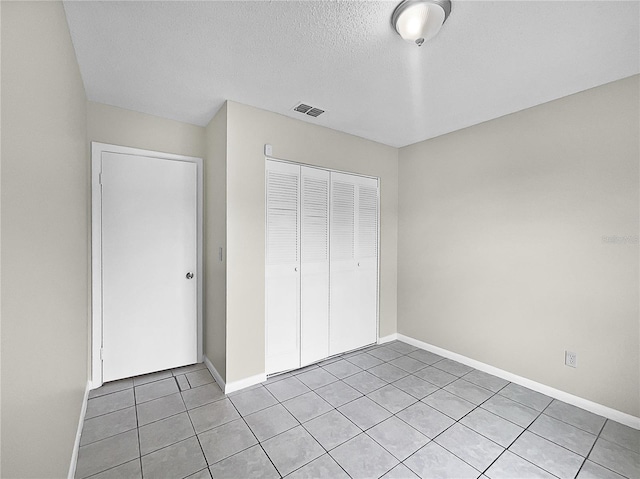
x=182 y=60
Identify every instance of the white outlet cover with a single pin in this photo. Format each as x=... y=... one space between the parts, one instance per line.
x=570 y=359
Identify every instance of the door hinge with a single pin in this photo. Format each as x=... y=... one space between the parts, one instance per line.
x=100 y=178
x=101 y=354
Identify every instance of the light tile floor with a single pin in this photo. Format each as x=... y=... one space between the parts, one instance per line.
x=391 y=411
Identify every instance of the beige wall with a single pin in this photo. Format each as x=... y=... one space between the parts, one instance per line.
x=501 y=252
x=117 y=126
x=215 y=171
x=248 y=130
x=45 y=231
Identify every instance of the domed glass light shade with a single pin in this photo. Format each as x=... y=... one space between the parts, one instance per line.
x=417 y=21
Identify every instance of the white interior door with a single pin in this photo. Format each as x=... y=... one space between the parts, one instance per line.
x=314 y=287
x=282 y=269
x=149 y=245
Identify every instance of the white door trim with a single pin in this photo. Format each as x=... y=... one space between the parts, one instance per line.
x=96 y=246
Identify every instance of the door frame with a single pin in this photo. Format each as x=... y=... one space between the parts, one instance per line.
x=96 y=245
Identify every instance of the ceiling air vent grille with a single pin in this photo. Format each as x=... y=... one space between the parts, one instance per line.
x=315 y=112
x=308 y=110
x=302 y=108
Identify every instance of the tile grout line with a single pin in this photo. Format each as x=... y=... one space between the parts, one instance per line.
x=135 y=405
x=138 y=427
x=507 y=419
x=594 y=445
x=559 y=445
x=115 y=410
x=573 y=425
x=256 y=437
x=455 y=421
x=531 y=432
x=591 y=448
x=523 y=404
x=364 y=431
x=479 y=406
x=186 y=410
x=112 y=435
x=113 y=467
x=504 y=449
x=326 y=451
x=511 y=444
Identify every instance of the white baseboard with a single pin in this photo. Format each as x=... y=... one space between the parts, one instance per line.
x=214 y=372
x=76 y=444
x=245 y=383
x=234 y=386
x=388 y=339
x=610 y=413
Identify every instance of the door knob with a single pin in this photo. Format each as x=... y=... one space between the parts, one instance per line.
x=189 y=275
x=295 y=269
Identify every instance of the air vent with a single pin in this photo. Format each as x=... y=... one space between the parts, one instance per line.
x=315 y=112
x=302 y=108
x=308 y=110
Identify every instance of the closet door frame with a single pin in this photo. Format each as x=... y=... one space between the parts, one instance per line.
x=330 y=170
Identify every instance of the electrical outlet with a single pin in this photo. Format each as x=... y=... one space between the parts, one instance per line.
x=570 y=359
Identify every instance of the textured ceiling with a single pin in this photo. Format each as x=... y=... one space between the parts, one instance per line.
x=182 y=60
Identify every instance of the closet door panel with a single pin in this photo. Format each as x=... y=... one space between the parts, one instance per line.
x=344 y=309
x=344 y=301
x=314 y=281
x=367 y=259
x=282 y=269
x=321 y=264
x=354 y=262
x=282 y=327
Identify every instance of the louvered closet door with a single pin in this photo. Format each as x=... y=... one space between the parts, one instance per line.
x=343 y=272
x=314 y=288
x=367 y=259
x=353 y=267
x=282 y=269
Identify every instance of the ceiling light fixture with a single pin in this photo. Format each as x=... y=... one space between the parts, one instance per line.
x=419 y=20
